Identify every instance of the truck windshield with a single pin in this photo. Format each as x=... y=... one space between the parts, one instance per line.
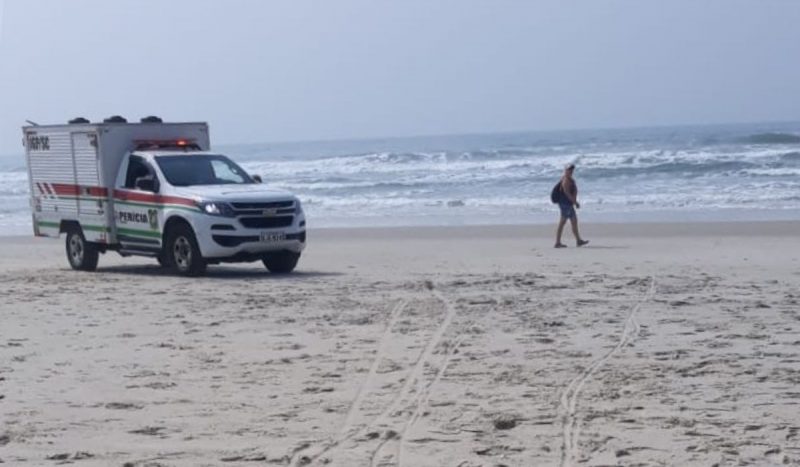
x=190 y=170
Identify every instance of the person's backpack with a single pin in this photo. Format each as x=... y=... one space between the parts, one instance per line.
x=556 y=195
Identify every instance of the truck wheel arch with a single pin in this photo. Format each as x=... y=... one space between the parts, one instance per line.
x=171 y=223
x=67 y=225
x=174 y=221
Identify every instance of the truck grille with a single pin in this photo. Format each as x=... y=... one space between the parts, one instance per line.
x=266 y=222
x=265 y=215
x=257 y=209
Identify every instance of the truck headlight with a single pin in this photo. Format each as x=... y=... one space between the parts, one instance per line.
x=217 y=209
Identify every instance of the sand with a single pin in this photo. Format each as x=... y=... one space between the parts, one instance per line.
x=658 y=344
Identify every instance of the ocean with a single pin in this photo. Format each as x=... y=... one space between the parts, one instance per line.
x=682 y=173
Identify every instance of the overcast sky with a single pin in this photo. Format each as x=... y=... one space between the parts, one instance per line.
x=263 y=71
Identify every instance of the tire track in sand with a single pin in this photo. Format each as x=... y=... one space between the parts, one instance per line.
x=366 y=386
x=416 y=375
x=347 y=433
x=569 y=398
x=422 y=400
x=343 y=433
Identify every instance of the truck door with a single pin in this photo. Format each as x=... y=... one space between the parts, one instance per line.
x=90 y=196
x=136 y=208
x=52 y=179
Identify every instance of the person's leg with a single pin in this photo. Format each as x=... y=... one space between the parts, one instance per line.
x=574 y=222
x=559 y=231
x=578 y=240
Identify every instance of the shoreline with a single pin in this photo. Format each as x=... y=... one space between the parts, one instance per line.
x=604 y=229
x=538 y=230
x=17 y=225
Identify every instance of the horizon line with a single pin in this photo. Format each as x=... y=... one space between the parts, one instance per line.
x=507 y=132
x=484 y=133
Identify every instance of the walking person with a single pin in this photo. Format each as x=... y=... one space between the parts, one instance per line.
x=565 y=193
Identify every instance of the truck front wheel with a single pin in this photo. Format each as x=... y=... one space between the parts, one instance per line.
x=182 y=253
x=82 y=255
x=282 y=262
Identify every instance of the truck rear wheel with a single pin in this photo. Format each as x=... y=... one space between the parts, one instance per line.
x=182 y=253
x=282 y=262
x=82 y=255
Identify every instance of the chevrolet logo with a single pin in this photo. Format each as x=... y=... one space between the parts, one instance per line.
x=269 y=212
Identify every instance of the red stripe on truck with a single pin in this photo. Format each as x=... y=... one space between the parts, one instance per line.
x=151 y=198
x=97 y=191
x=63 y=189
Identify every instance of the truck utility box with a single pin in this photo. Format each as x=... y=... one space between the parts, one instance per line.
x=155 y=189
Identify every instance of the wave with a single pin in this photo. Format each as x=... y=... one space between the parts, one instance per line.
x=676 y=168
x=790 y=157
x=774 y=172
x=405 y=158
x=773 y=138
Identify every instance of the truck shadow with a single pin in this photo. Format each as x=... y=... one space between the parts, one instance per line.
x=218 y=273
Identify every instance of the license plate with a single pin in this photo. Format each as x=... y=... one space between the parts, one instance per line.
x=272 y=237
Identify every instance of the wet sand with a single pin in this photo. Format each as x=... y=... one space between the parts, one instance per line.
x=657 y=344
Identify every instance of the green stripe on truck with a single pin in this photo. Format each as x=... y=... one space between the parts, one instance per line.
x=56 y=225
x=139 y=233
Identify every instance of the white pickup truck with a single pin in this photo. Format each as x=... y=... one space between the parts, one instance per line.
x=155 y=189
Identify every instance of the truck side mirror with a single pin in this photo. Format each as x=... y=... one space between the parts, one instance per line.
x=257 y=178
x=147 y=184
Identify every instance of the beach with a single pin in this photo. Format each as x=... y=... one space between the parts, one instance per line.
x=656 y=344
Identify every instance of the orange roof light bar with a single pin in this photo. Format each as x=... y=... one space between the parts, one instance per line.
x=142 y=145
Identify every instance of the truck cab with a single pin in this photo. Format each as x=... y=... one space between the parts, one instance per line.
x=166 y=195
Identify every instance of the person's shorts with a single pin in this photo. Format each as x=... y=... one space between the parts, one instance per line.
x=567 y=210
